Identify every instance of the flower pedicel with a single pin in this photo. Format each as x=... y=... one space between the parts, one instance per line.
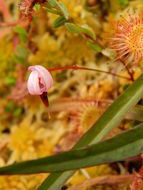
x=40 y=79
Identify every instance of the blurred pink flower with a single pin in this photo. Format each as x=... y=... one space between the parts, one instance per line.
x=39 y=81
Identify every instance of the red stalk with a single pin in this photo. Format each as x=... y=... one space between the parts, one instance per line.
x=75 y=67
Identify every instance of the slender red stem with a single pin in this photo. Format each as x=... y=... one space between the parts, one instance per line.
x=74 y=67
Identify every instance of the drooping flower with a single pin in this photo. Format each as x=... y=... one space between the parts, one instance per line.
x=39 y=81
x=128 y=38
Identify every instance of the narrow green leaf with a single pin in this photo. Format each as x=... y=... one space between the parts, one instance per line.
x=17 y=111
x=121 y=147
x=63 y=9
x=59 y=21
x=9 y=107
x=19 y=59
x=52 y=11
x=56 y=180
x=94 y=46
x=52 y=3
x=19 y=30
x=21 y=51
x=80 y=30
x=108 y=121
x=22 y=33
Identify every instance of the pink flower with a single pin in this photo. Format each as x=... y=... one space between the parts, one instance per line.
x=39 y=81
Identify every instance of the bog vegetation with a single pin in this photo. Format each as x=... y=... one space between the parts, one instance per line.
x=71 y=88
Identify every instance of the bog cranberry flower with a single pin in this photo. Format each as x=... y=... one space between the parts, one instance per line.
x=39 y=81
x=128 y=38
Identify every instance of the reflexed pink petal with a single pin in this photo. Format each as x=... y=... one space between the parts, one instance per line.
x=33 y=84
x=43 y=80
x=44 y=75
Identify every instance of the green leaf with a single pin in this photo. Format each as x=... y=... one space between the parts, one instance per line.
x=121 y=147
x=17 y=111
x=11 y=81
x=9 y=107
x=22 y=33
x=52 y=3
x=80 y=30
x=36 y=7
x=19 y=59
x=59 y=21
x=21 y=51
x=20 y=30
x=63 y=9
x=52 y=11
x=55 y=181
x=94 y=46
x=107 y=122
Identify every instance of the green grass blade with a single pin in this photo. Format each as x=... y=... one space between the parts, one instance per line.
x=59 y=178
x=108 y=121
x=123 y=146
